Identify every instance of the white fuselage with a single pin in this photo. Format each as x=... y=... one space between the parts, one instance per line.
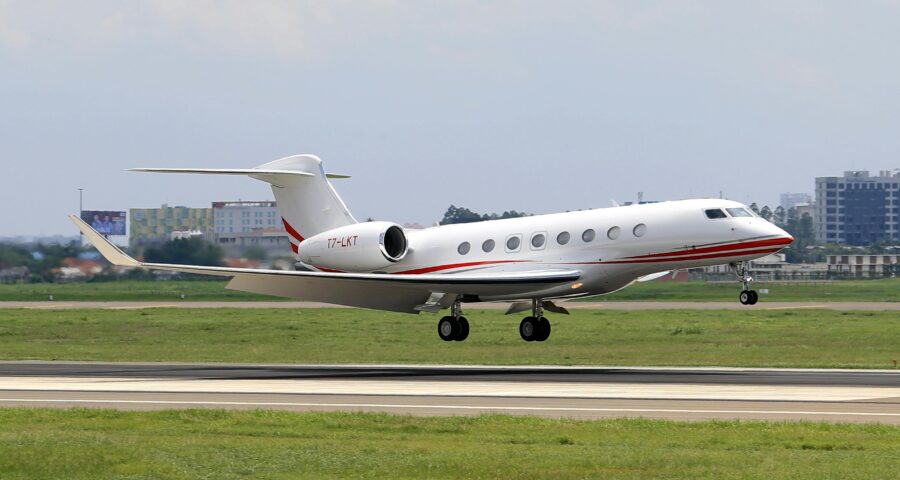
x=627 y=243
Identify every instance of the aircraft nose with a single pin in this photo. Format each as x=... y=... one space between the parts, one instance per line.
x=779 y=233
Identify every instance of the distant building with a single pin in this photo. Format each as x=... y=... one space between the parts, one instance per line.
x=858 y=209
x=805 y=209
x=791 y=200
x=156 y=225
x=242 y=225
x=864 y=265
x=273 y=241
x=244 y=217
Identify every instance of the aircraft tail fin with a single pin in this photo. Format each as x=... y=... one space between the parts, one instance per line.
x=307 y=201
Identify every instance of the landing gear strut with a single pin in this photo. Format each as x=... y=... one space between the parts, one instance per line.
x=455 y=326
x=535 y=328
x=742 y=270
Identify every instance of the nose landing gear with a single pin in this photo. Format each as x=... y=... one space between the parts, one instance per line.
x=535 y=328
x=455 y=326
x=747 y=296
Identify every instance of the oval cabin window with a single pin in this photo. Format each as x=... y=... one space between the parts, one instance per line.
x=588 y=236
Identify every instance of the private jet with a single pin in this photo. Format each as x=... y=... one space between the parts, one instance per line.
x=533 y=262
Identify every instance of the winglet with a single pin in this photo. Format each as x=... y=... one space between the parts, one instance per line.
x=109 y=251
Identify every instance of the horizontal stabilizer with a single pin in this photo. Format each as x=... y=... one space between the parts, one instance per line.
x=234 y=171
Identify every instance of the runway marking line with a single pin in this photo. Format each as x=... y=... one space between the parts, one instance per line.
x=450 y=407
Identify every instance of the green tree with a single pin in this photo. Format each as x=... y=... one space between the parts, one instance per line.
x=779 y=216
x=766 y=213
x=189 y=251
x=801 y=228
x=456 y=214
x=15 y=256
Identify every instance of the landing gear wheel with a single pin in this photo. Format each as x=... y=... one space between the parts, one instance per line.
x=543 y=329
x=463 y=329
x=749 y=297
x=448 y=328
x=529 y=329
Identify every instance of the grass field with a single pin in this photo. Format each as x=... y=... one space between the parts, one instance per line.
x=777 y=338
x=94 y=444
x=887 y=290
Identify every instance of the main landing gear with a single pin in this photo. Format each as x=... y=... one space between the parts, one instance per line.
x=742 y=270
x=455 y=326
x=535 y=328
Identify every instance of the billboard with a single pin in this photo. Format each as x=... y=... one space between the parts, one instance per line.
x=105 y=222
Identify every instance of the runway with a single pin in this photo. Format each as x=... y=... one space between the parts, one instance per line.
x=578 y=392
x=574 y=305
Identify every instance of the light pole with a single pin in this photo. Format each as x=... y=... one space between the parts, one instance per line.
x=80 y=205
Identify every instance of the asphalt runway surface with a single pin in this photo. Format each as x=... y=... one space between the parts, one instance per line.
x=576 y=392
x=575 y=305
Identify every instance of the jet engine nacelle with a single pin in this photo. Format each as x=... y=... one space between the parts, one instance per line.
x=361 y=247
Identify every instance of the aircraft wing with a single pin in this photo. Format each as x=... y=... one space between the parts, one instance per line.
x=393 y=292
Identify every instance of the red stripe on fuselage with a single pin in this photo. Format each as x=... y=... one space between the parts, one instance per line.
x=783 y=241
x=294 y=247
x=291 y=231
x=438 y=268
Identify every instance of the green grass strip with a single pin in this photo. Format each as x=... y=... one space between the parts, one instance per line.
x=191 y=444
x=775 y=338
x=885 y=290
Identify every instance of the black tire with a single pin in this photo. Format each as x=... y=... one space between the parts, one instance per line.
x=529 y=329
x=463 y=329
x=543 y=329
x=745 y=297
x=754 y=297
x=448 y=328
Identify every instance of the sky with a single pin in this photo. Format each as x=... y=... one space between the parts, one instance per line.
x=493 y=105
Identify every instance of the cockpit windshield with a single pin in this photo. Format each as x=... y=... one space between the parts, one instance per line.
x=739 y=212
x=714 y=213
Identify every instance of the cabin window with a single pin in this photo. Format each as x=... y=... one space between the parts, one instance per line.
x=488 y=245
x=613 y=233
x=513 y=243
x=739 y=212
x=639 y=230
x=463 y=248
x=714 y=213
x=562 y=238
x=537 y=241
x=588 y=235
